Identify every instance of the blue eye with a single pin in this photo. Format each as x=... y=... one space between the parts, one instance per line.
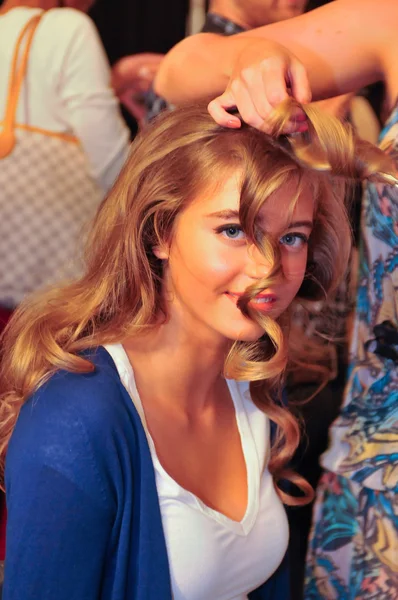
x=232 y=232
x=294 y=240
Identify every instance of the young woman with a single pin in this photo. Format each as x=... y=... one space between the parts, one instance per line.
x=137 y=400
x=342 y=46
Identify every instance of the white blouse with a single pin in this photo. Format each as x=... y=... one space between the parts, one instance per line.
x=67 y=86
x=212 y=557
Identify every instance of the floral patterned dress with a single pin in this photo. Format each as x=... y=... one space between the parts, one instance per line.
x=353 y=551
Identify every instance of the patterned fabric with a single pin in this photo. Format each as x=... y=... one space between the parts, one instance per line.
x=353 y=551
x=213 y=24
x=364 y=444
x=46 y=199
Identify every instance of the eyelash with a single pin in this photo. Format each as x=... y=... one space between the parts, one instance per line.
x=300 y=236
x=223 y=229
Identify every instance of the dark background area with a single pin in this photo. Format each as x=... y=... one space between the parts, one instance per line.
x=131 y=26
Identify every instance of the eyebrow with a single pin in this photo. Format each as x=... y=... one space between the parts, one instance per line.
x=229 y=215
x=225 y=214
x=308 y=224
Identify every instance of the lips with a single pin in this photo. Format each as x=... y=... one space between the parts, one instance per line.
x=261 y=300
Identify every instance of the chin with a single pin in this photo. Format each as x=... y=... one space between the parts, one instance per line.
x=247 y=335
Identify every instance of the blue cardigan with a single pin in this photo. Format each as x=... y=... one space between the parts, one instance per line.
x=83 y=515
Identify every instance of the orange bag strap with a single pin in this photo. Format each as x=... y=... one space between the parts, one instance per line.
x=17 y=75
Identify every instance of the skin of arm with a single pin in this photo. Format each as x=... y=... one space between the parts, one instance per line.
x=343 y=46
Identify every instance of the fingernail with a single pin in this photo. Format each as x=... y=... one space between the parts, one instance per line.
x=233 y=123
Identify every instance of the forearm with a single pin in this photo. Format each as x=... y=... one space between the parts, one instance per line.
x=199 y=67
x=343 y=45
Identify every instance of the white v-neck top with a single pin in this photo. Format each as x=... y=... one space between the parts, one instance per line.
x=212 y=557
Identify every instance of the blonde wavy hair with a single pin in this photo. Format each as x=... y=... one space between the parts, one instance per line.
x=119 y=295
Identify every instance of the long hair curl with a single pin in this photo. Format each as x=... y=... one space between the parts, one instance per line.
x=119 y=294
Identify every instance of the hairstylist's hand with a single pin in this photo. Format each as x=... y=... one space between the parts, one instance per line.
x=132 y=76
x=264 y=75
x=135 y=73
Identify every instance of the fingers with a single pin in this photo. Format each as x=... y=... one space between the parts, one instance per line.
x=255 y=93
x=265 y=75
x=246 y=107
x=253 y=108
x=218 y=110
x=266 y=90
x=253 y=100
x=299 y=82
x=273 y=83
x=248 y=94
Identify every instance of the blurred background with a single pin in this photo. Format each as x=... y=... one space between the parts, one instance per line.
x=132 y=26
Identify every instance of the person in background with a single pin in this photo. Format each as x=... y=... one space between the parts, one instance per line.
x=62 y=144
x=144 y=434
x=62 y=139
x=132 y=76
x=337 y=48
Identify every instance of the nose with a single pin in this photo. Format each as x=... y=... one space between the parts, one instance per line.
x=258 y=266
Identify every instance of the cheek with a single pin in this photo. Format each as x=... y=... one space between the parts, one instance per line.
x=203 y=258
x=218 y=263
x=294 y=266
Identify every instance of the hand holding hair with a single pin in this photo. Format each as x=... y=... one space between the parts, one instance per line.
x=328 y=144
x=265 y=74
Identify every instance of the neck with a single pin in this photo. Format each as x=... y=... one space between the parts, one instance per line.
x=234 y=12
x=45 y=4
x=176 y=368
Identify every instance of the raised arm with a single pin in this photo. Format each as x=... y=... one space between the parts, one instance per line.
x=343 y=46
